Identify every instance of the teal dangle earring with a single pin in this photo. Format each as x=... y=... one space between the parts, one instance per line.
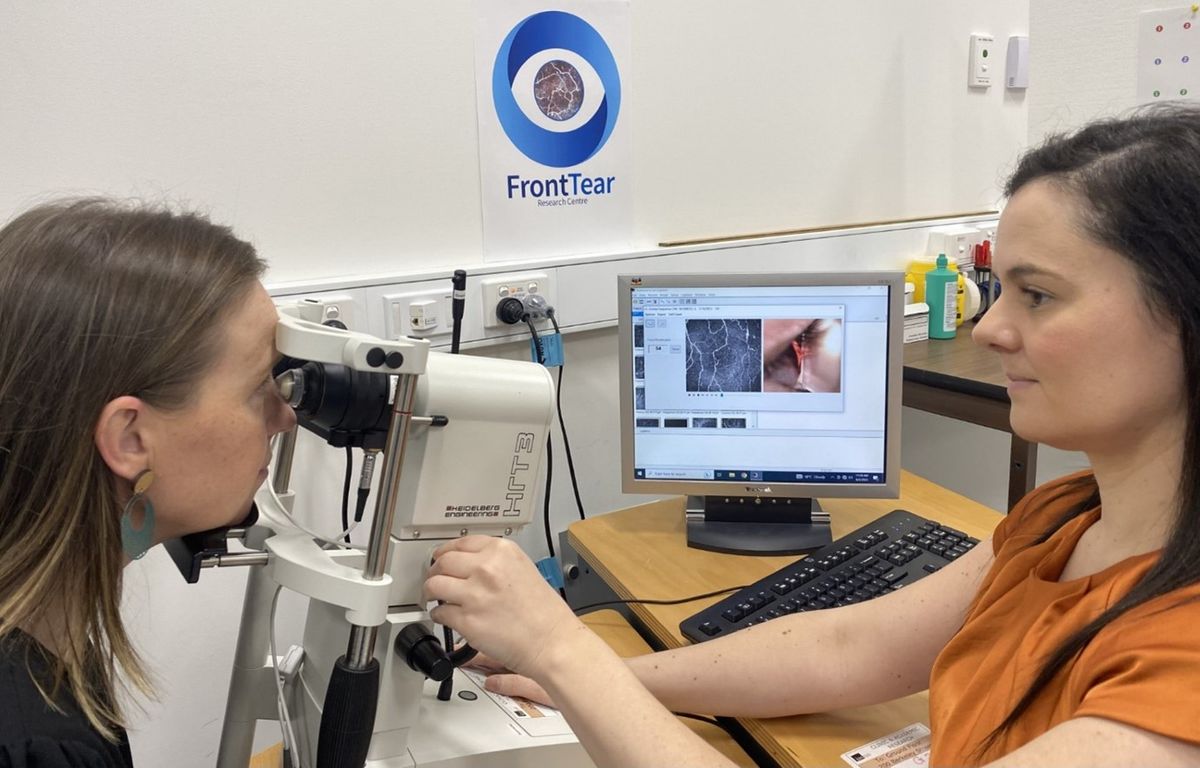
x=136 y=541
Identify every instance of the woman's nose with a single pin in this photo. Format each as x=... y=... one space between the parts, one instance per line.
x=995 y=329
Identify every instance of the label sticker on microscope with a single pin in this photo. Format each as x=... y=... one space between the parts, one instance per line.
x=906 y=748
x=517 y=708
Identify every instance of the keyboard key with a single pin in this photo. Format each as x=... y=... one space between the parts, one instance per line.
x=894 y=576
x=732 y=615
x=931 y=568
x=709 y=628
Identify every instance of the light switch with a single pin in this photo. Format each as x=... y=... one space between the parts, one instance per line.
x=982 y=61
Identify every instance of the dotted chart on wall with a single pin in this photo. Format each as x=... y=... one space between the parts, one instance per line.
x=1169 y=54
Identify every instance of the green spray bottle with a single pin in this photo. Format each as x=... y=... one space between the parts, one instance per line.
x=941 y=291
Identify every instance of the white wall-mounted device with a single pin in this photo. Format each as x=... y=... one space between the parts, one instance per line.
x=1016 y=63
x=982 y=61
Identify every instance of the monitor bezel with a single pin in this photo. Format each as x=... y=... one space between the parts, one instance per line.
x=888 y=488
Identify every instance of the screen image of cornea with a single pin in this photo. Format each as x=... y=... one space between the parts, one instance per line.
x=780 y=383
x=723 y=355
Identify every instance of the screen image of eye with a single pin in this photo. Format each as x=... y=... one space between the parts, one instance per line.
x=558 y=90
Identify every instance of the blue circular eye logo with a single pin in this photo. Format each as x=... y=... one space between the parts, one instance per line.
x=539 y=32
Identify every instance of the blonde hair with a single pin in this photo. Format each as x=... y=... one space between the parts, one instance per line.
x=98 y=299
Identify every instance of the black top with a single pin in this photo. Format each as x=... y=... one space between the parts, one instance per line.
x=34 y=736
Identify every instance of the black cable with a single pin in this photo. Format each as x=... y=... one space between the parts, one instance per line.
x=563 y=426
x=458 y=299
x=676 y=601
x=546 y=496
x=537 y=340
x=360 y=504
x=711 y=721
x=346 y=492
x=446 y=688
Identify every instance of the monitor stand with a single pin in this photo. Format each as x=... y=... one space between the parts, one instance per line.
x=756 y=525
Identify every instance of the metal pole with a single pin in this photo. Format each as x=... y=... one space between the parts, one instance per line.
x=361 y=646
x=284 y=452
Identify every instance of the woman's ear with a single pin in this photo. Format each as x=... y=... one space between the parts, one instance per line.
x=120 y=436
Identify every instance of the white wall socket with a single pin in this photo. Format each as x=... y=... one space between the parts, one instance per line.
x=518 y=285
x=422 y=314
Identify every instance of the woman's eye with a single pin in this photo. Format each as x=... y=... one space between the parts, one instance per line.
x=1034 y=297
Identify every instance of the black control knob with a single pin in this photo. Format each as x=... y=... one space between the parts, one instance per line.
x=423 y=653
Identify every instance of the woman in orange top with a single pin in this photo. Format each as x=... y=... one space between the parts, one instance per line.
x=1071 y=639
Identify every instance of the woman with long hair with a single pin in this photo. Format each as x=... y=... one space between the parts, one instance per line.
x=136 y=405
x=1068 y=639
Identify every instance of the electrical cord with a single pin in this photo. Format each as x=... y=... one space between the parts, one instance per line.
x=336 y=541
x=676 y=601
x=285 y=719
x=537 y=340
x=541 y=359
x=346 y=491
x=563 y=425
x=710 y=721
x=546 y=495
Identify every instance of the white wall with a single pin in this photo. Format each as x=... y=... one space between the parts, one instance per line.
x=1082 y=60
x=341 y=139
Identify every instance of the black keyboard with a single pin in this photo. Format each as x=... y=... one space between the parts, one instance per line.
x=893 y=551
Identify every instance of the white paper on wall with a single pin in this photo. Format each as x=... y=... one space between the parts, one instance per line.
x=1168 y=54
x=555 y=136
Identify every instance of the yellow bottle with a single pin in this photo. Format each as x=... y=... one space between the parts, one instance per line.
x=915 y=274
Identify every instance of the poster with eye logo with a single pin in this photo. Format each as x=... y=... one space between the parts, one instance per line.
x=555 y=140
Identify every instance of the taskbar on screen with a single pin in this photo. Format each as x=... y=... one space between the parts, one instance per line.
x=758 y=476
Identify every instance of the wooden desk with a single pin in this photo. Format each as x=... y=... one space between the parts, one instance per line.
x=960 y=379
x=641 y=552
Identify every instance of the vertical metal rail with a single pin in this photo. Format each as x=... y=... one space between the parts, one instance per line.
x=237 y=730
x=361 y=647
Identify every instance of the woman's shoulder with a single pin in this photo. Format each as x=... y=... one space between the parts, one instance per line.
x=32 y=732
x=56 y=753
x=1044 y=506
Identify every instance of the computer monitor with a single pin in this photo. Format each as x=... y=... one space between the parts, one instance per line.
x=754 y=394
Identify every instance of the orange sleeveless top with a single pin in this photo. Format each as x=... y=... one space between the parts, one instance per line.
x=1142 y=669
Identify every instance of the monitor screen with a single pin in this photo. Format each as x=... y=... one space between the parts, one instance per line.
x=761 y=385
